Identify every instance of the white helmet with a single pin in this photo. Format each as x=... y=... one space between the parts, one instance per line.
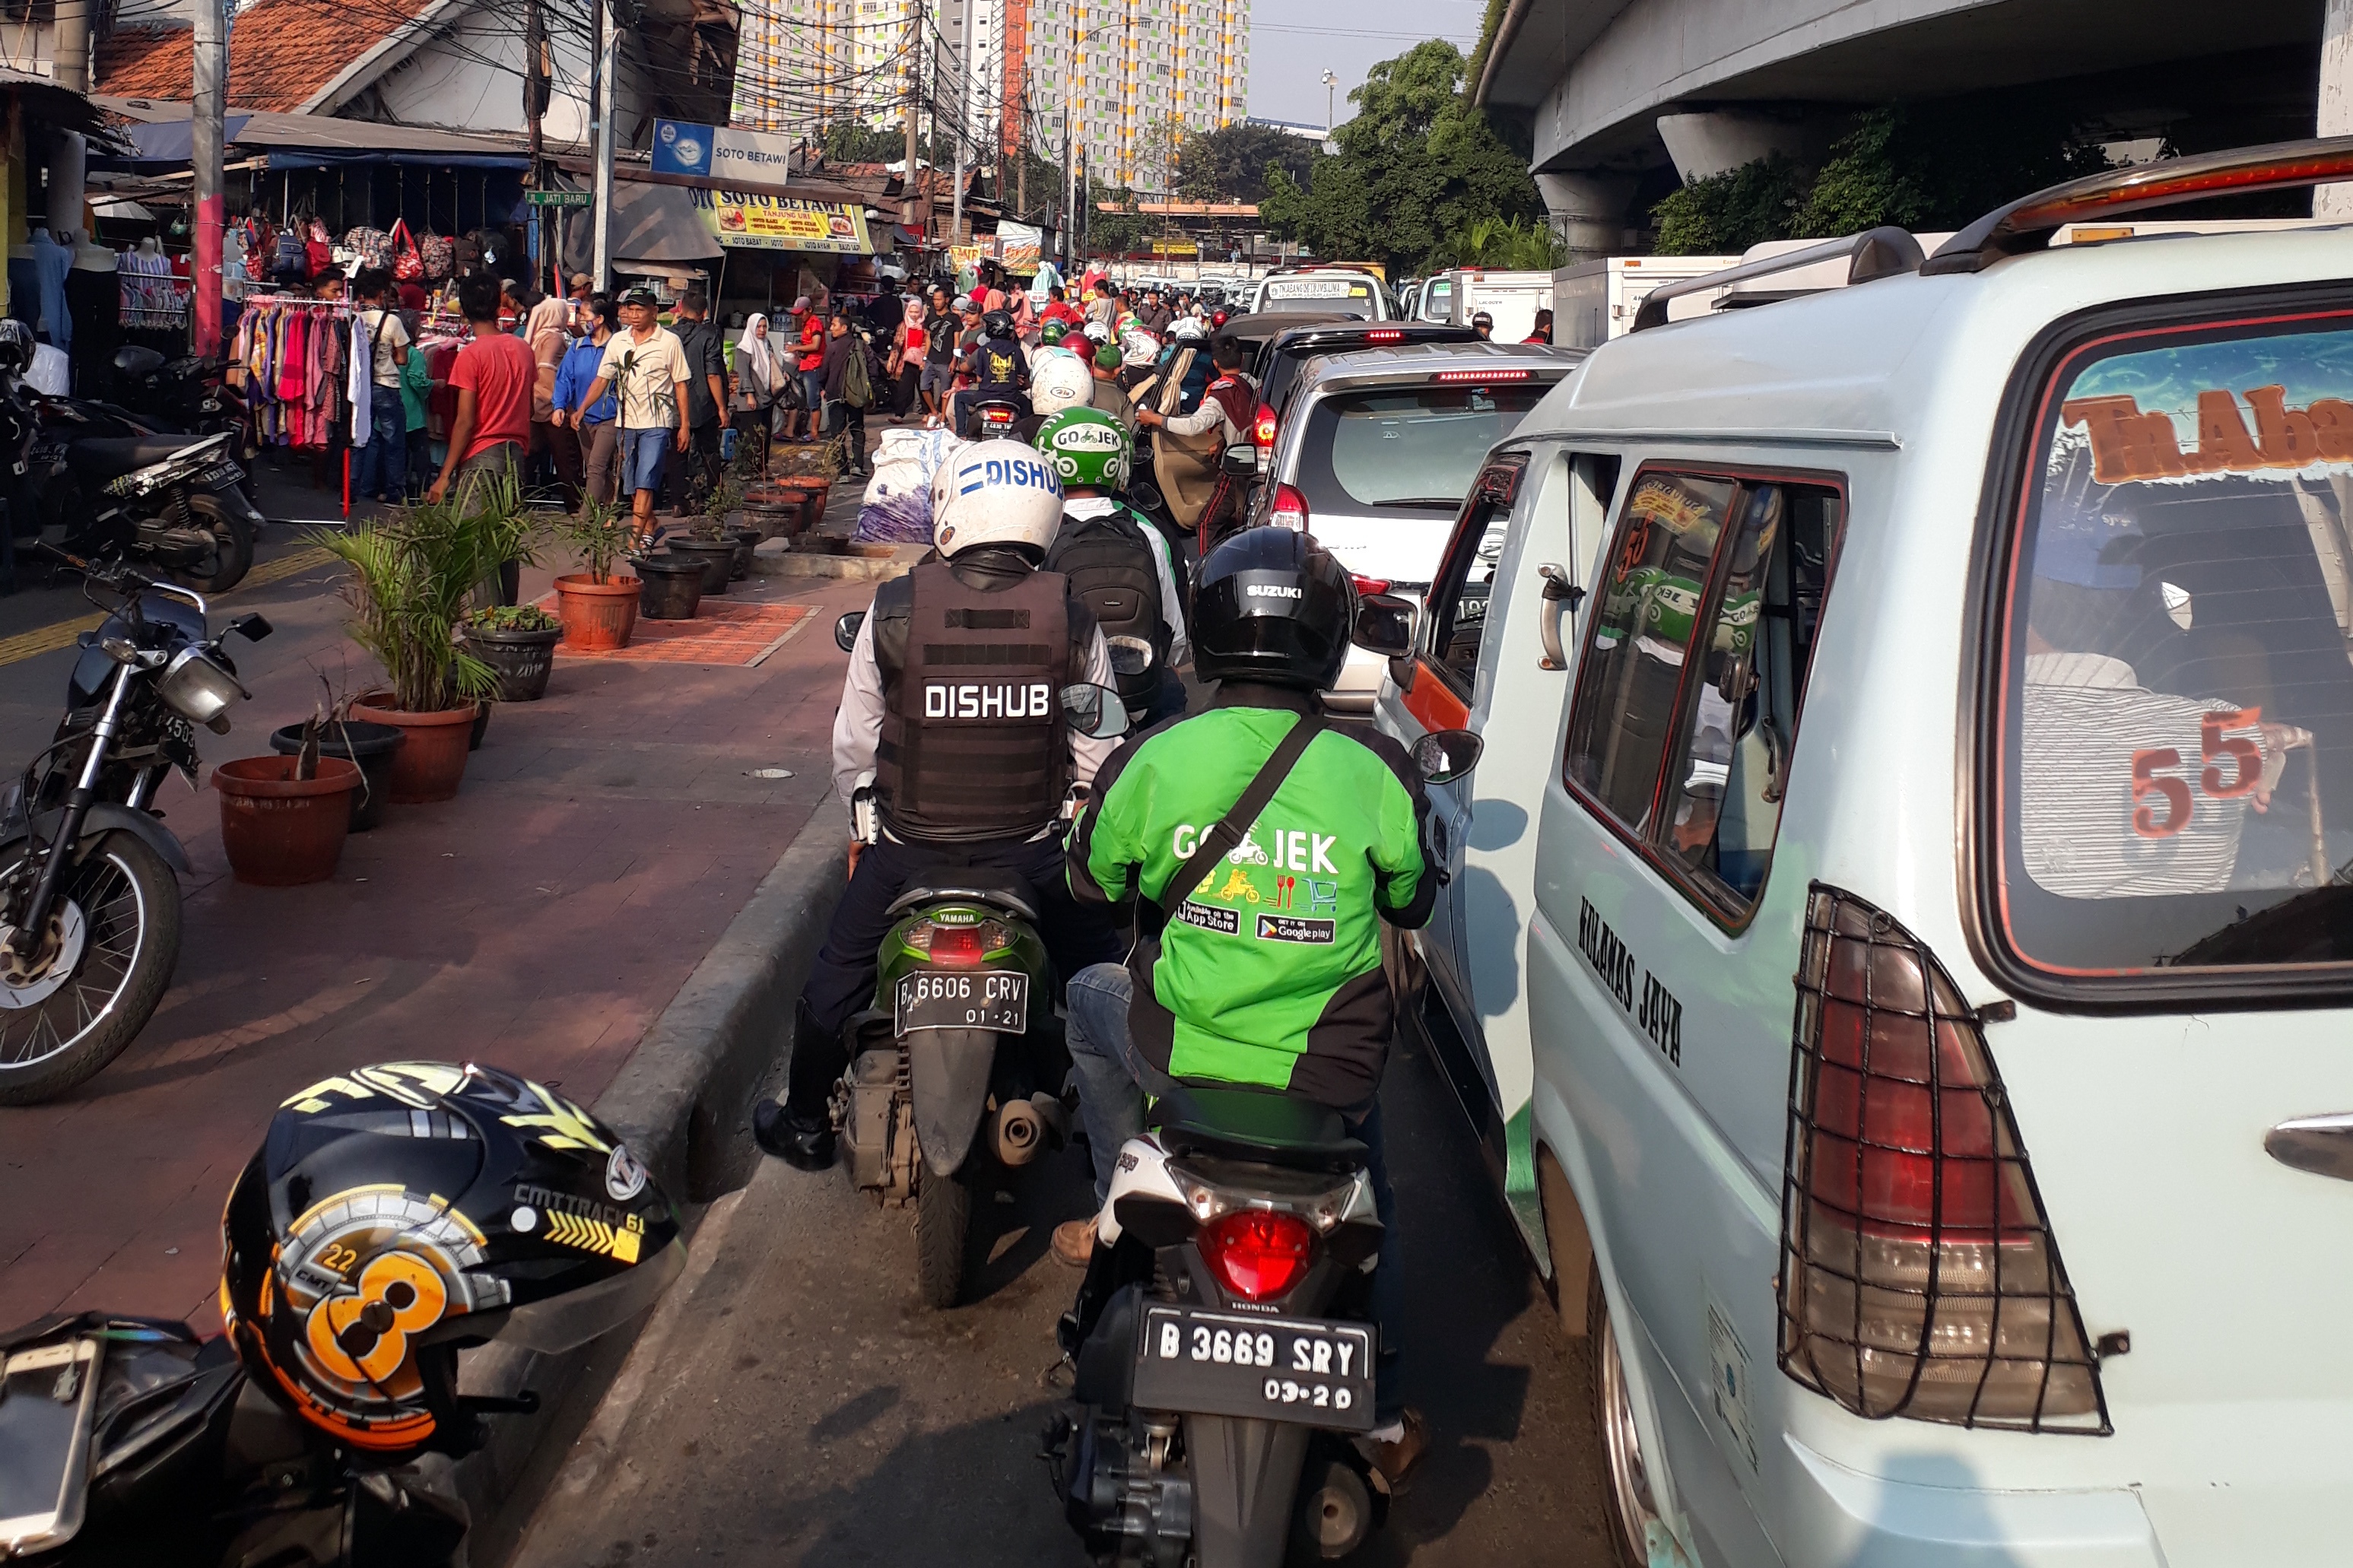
x=1185 y=329
x=995 y=492
x=1059 y=381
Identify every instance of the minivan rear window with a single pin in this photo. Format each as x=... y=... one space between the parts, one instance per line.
x=1338 y=295
x=2176 y=706
x=1400 y=450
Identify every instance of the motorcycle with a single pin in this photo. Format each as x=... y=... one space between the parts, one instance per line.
x=191 y=393
x=957 y=1070
x=1223 y=1346
x=94 y=484
x=994 y=415
x=90 y=905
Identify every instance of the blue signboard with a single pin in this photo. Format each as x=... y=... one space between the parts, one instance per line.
x=682 y=149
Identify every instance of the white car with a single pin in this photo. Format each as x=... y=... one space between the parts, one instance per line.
x=1897 y=943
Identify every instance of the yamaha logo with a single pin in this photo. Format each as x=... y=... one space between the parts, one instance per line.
x=1271 y=591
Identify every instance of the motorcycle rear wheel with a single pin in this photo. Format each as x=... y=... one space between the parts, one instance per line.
x=232 y=555
x=52 y=1035
x=942 y=1236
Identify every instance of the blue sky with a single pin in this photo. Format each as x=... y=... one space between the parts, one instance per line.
x=1294 y=42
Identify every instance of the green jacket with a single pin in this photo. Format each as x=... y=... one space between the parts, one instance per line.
x=415 y=387
x=1271 y=973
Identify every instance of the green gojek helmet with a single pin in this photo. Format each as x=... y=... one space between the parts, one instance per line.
x=1051 y=332
x=1087 y=446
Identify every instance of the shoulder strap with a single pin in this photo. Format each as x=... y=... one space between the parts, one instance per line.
x=1221 y=840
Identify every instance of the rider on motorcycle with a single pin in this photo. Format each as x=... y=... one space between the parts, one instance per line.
x=940 y=710
x=1270 y=972
x=999 y=368
x=1116 y=560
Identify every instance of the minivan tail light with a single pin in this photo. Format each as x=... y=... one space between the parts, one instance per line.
x=1461 y=377
x=1288 y=510
x=1262 y=428
x=1919 y=1276
x=1258 y=1254
x=1386 y=335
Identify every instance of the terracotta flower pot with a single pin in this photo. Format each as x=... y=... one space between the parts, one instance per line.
x=596 y=614
x=281 y=831
x=432 y=759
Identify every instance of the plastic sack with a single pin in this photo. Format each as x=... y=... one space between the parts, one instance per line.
x=897 y=507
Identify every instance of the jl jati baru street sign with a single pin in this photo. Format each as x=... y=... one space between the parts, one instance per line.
x=562 y=198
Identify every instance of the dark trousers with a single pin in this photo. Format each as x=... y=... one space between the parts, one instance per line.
x=380 y=472
x=690 y=479
x=848 y=425
x=841 y=981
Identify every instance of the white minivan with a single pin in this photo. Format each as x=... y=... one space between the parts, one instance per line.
x=1896 y=944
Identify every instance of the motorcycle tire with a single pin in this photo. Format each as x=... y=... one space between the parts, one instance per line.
x=232 y=558
x=129 y=905
x=942 y=1236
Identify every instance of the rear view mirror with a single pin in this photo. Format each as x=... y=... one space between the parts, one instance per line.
x=845 y=631
x=1445 y=755
x=1129 y=655
x=252 y=628
x=1239 y=462
x=1094 y=712
x=1384 y=625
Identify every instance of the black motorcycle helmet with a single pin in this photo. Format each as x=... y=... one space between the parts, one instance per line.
x=401 y=1212
x=997 y=324
x=1272 y=605
x=16 y=345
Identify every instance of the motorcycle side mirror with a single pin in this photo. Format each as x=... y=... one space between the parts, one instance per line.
x=1129 y=655
x=1239 y=462
x=1445 y=755
x=845 y=631
x=1383 y=626
x=1094 y=712
x=252 y=628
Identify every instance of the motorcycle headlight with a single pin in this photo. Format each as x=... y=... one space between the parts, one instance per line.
x=196 y=688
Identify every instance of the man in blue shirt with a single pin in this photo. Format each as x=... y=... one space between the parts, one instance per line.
x=600 y=450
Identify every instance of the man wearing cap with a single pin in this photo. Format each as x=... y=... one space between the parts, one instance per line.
x=1484 y=325
x=1108 y=395
x=646 y=366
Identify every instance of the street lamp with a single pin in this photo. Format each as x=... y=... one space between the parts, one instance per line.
x=1331 y=84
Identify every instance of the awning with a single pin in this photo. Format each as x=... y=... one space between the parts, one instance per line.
x=653 y=223
x=160 y=135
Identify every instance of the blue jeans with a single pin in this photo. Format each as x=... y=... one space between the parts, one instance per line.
x=1112 y=1071
x=383 y=467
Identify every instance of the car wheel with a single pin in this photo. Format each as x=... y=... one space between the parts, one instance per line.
x=1632 y=1515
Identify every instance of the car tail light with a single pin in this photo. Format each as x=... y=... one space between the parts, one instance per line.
x=956 y=946
x=1457 y=377
x=1258 y=1254
x=1386 y=335
x=1288 y=510
x=1262 y=428
x=1919 y=1276
x=1369 y=585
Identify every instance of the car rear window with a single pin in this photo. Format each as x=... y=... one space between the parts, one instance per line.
x=1335 y=295
x=2176 y=701
x=1405 y=449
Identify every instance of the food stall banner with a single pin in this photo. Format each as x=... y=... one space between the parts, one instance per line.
x=746 y=220
x=722 y=152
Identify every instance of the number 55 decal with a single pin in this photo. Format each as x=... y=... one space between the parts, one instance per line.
x=2175 y=792
x=2213 y=745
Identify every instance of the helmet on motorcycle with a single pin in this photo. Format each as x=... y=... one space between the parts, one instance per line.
x=1272 y=605
x=398 y=1211
x=1052 y=332
x=1087 y=446
x=1186 y=328
x=995 y=492
x=1097 y=331
x=16 y=345
x=1059 y=381
x=997 y=323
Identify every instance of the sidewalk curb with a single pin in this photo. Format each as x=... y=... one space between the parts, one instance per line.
x=681 y=1101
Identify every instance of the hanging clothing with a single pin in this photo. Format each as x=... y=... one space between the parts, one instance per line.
x=53 y=261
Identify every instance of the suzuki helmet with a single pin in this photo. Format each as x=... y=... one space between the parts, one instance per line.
x=995 y=492
x=1272 y=605
x=402 y=1211
x=1059 y=381
x=1087 y=446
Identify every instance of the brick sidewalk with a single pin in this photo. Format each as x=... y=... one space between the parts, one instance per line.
x=604 y=839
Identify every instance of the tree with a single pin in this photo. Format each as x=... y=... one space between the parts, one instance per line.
x=854 y=141
x=1417 y=167
x=1229 y=163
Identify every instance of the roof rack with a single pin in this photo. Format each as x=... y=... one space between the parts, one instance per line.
x=2029 y=223
x=1881 y=252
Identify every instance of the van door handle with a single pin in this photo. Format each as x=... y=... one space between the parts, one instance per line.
x=2321 y=1144
x=1559 y=595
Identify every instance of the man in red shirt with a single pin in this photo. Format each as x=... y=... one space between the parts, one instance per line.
x=494 y=378
x=812 y=363
x=1059 y=309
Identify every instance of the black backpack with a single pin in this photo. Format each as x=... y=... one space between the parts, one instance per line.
x=1113 y=571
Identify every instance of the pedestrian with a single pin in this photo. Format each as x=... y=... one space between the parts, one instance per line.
x=760 y=379
x=885 y=312
x=1103 y=308
x=544 y=331
x=646 y=365
x=1483 y=324
x=849 y=392
x=1058 y=308
x=908 y=345
x=589 y=425
x=493 y=377
x=812 y=364
x=940 y=327
x=1541 y=333
x=416 y=389
x=382 y=472
x=705 y=347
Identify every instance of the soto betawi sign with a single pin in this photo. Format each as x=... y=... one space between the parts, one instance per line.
x=749 y=221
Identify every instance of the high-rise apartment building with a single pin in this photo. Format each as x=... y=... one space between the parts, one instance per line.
x=1132 y=76
x=802 y=64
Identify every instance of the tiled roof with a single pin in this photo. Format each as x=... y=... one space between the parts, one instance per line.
x=281 y=52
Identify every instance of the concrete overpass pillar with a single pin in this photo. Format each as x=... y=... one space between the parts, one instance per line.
x=1589 y=210
x=2335 y=116
x=1706 y=144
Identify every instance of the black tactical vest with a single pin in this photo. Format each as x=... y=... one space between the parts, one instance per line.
x=1112 y=572
x=973 y=744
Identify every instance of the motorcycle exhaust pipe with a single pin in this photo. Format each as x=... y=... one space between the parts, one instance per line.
x=1020 y=1132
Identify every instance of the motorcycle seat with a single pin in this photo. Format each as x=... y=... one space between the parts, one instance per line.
x=990 y=885
x=111 y=456
x=1235 y=1123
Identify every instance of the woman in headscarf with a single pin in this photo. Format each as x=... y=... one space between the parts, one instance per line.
x=759 y=377
x=907 y=350
x=543 y=332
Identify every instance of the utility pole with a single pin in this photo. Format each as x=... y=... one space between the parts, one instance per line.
x=536 y=88
x=207 y=106
x=1331 y=85
x=2335 y=116
x=907 y=187
x=70 y=59
x=609 y=65
x=963 y=113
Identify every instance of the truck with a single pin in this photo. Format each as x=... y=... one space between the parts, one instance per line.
x=1594 y=301
x=1512 y=299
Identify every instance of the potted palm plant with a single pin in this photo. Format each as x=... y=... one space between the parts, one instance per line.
x=413 y=576
x=597 y=607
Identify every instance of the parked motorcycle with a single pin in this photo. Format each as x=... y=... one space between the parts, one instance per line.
x=93 y=484
x=1223 y=1344
x=90 y=908
x=191 y=393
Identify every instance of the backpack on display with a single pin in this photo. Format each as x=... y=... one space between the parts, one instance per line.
x=291 y=261
x=467 y=252
x=408 y=263
x=1113 y=571
x=440 y=257
x=369 y=247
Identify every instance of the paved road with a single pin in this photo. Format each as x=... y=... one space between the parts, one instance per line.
x=791 y=1402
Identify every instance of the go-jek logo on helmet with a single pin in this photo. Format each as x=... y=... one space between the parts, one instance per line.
x=1012 y=473
x=1086 y=435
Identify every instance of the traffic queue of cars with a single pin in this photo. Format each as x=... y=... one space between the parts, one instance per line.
x=1892 y=948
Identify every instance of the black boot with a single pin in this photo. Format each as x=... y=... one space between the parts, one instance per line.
x=799 y=1130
